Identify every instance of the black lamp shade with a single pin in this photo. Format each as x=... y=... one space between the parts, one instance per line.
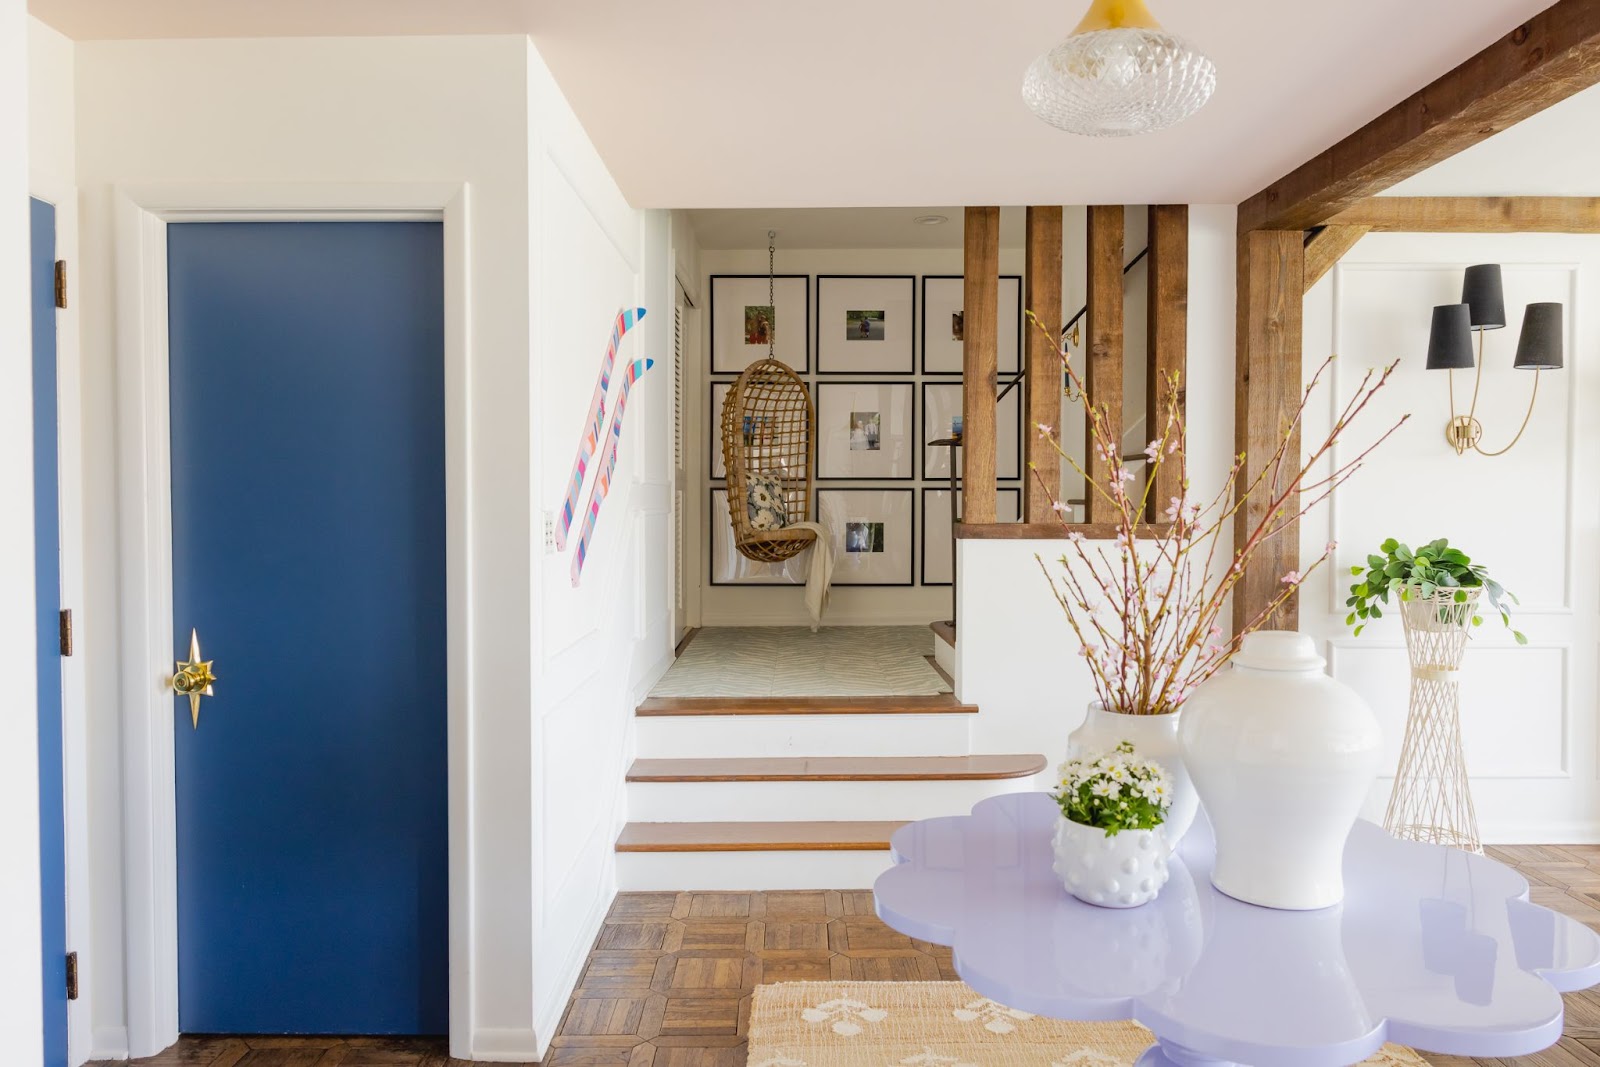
x=1539 y=347
x=1482 y=291
x=1450 y=339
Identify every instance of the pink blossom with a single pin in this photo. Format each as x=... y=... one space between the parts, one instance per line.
x=1074 y=536
x=1332 y=545
x=1152 y=450
x=1172 y=446
x=1125 y=476
x=1292 y=578
x=1044 y=430
x=1059 y=507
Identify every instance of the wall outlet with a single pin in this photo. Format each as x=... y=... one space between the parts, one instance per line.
x=549 y=533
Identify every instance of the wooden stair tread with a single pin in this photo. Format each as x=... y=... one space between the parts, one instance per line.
x=945 y=631
x=756 y=836
x=838 y=768
x=941 y=704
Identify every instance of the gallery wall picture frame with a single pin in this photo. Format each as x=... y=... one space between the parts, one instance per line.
x=728 y=567
x=938 y=549
x=941 y=413
x=866 y=323
x=719 y=392
x=740 y=317
x=874 y=535
x=866 y=431
x=943 y=324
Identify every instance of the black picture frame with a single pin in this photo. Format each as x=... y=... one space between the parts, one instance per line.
x=714 y=427
x=913 y=462
x=912 y=544
x=927 y=529
x=1005 y=374
x=711 y=320
x=914 y=324
x=1014 y=397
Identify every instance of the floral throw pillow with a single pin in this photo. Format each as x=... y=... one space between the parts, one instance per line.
x=766 y=505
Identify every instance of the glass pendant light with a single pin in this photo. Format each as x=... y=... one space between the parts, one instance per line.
x=1119 y=74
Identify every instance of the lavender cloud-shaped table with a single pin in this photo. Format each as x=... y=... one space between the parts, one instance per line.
x=1432 y=947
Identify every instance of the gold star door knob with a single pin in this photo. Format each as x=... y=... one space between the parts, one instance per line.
x=194 y=678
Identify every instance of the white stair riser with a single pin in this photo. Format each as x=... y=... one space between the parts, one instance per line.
x=828 y=801
x=703 y=736
x=944 y=654
x=677 y=871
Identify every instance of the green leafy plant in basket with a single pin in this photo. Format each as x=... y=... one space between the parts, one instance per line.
x=1430 y=571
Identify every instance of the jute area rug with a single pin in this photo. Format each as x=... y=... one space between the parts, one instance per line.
x=938 y=1024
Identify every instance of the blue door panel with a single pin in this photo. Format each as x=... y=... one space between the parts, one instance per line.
x=307 y=408
x=47 y=600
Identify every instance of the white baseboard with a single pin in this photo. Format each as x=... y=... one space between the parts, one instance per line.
x=109 y=1043
x=547 y=1015
x=505 y=1046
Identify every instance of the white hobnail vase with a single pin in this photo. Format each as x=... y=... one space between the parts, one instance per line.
x=1282 y=757
x=1120 y=870
x=1154 y=737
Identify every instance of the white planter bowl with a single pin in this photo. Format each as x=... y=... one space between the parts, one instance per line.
x=1154 y=737
x=1121 y=870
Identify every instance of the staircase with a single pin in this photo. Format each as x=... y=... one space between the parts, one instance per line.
x=795 y=793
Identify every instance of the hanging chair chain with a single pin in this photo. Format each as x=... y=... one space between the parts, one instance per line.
x=772 y=303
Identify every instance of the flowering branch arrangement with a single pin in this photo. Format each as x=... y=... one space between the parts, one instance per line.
x=1146 y=606
x=1114 y=791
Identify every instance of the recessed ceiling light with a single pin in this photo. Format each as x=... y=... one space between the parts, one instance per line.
x=931 y=220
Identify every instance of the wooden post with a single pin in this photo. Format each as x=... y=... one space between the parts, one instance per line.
x=1327 y=246
x=1167 y=337
x=1043 y=298
x=1102 y=374
x=980 y=360
x=1271 y=291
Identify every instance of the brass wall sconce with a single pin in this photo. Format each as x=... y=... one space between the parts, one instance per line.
x=1483 y=308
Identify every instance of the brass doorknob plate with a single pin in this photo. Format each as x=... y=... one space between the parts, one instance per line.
x=193 y=678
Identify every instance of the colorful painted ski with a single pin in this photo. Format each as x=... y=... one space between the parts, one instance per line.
x=626 y=318
x=602 y=483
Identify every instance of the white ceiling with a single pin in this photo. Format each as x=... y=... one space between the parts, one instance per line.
x=828 y=103
x=1553 y=153
x=844 y=227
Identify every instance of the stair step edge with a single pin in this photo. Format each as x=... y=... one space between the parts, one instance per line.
x=943 y=704
x=839 y=768
x=757 y=836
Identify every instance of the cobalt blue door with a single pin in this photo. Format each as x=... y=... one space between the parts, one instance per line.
x=47 y=598
x=308 y=555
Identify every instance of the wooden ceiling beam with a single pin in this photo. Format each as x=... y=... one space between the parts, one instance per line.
x=1545 y=60
x=1472 y=214
x=1327 y=246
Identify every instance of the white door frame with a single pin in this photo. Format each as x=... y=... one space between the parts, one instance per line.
x=150 y=867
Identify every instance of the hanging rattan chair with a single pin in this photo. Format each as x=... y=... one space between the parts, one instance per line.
x=766 y=447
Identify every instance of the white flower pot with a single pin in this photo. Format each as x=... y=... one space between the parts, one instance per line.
x=1154 y=737
x=1121 y=870
x=1282 y=757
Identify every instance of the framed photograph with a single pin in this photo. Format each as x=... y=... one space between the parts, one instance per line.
x=866 y=430
x=866 y=324
x=944 y=325
x=938 y=552
x=743 y=322
x=719 y=393
x=730 y=568
x=873 y=531
x=941 y=417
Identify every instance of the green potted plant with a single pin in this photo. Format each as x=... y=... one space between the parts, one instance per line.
x=1110 y=846
x=1441 y=583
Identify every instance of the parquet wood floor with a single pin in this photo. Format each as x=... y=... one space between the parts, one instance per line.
x=668 y=982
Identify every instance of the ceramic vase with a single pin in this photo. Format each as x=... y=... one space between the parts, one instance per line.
x=1121 y=870
x=1282 y=757
x=1154 y=737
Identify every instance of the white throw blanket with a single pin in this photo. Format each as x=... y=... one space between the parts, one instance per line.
x=819 y=578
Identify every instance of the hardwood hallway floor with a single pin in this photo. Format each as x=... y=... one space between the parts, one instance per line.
x=668 y=982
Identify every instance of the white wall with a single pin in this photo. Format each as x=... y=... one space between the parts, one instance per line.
x=20 y=1003
x=553 y=253
x=723 y=605
x=1017 y=658
x=598 y=647
x=1532 y=515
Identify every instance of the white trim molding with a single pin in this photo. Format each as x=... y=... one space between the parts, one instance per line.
x=144 y=494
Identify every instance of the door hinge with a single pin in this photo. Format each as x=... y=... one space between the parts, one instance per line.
x=61 y=283
x=72 y=976
x=66 y=631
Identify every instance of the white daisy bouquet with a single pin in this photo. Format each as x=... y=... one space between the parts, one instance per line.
x=1114 y=791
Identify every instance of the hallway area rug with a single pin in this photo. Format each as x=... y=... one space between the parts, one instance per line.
x=791 y=661
x=938 y=1024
